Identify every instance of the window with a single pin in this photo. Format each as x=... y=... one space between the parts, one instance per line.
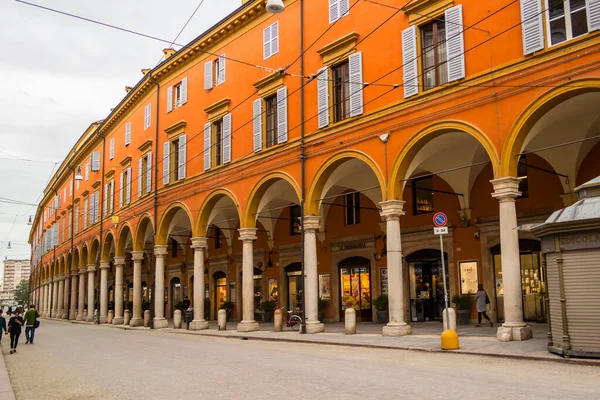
x=220 y=70
x=111 y=152
x=147 y=115
x=214 y=72
x=109 y=197
x=95 y=161
x=71 y=188
x=295 y=227
x=219 y=133
x=271 y=40
x=65 y=194
x=85 y=212
x=422 y=195
x=566 y=20
x=338 y=9
x=127 y=133
x=77 y=219
x=271 y=120
x=275 y=120
x=352 y=207
x=125 y=187
x=433 y=49
x=218 y=237
x=174 y=163
x=522 y=173
x=177 y=95
x=341 y=92
x=145 y=174
x=87 y=171
x=175 y=158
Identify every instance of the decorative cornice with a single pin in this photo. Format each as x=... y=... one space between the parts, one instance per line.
x=178 y=128
x=126 y=162
x=420 y=11
x=342 y=46
x=96 y=184
x=269 y=84
x=85 y=193
x=110 y=174
x=218 y=109
x=146 y=146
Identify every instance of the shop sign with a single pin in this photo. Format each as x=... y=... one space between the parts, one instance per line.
x=580 y=240
x=383 y=279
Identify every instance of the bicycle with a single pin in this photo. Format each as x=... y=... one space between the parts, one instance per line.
x=293 y=320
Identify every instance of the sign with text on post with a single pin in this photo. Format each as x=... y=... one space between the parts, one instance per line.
x=443 y=230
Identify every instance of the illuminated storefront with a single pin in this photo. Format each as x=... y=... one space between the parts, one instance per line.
x=355 y=285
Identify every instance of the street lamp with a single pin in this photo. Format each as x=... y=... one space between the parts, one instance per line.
x=275 y=6
x=30 y=222
x=78 y=176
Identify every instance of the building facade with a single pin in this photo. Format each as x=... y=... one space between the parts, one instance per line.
x=15 y=271
x=369 y=117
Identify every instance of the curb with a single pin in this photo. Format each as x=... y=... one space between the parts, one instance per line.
x=6 y=390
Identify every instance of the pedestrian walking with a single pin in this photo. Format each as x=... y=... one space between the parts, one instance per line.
x=31 y=323
x=14 y=328
x=10 y=311
x=481 y=302
x=2 y=325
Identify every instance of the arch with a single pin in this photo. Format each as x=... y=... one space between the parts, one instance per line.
x=123 y=234
x=315 y=190
x=76 y=259
x=203 y=221
x=108 y=244
x=164 y=225
x=143 y=225
x=258 y=191
x=533 y=113
x=93 y=253
x=83 y=260
x=424 y=136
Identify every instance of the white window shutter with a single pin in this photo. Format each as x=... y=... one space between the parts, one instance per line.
x=87 y=171
x=111 y=204
x=226 y=137
x=455 y=46
x=593 y=14
x=334 y=10
x=77 y=219
x=128 y=185
x=95 y=161
x=184 y=90
x=208 y=75
x=409 y=60
x=166 y=162
x=267 y=42
x=182 y=157
x=149 y=172
x=121 y=188
x=207 y=146
x=140 y=176
x=170 y=99
x=344 y=7
x=222 y=60
x=85 y=206
x=71 y=187
x=105 y=207
x=96 y=208
x=282 y=121
x=323 y=96
x=275 y=38
x=112 y=148
x=356 y=86
x=532 y=26
x=127 y=133
x=257 y=124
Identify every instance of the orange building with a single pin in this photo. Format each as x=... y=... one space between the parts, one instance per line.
x=368 y=115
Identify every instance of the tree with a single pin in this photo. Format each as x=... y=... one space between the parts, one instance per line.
x=22 y=292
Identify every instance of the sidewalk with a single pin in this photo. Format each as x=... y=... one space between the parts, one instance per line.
x=6 y=390
x=426 y=337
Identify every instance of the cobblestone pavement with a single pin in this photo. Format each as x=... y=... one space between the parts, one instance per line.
x=75 y=361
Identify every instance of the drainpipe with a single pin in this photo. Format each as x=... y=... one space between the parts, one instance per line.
x=100 y=214
x=302 y=166
x=155 y=191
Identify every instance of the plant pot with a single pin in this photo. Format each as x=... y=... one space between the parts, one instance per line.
x=267 y=316
x=462 y=317
x=382 y=317
x=258 y=316
x=321 y=316
x=228 y=315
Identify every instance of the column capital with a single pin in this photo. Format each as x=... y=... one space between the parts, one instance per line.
x=506 y=189
x=104 y=265
x=60 y=277
x=119 y=260
x=82 y=270
x=312 y=223
x=247 y=234
x=67 y=275
x=391 y=209
x=160 y=250
x=199 y=243
x=137 y=255
x=91 y=268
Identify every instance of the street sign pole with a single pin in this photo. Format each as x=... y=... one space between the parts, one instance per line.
x=444 y=275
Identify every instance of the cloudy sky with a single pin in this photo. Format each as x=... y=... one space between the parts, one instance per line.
x=58 y=74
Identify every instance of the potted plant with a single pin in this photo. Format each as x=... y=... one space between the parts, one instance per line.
x=267 y=307
x=322 y=304
x=207 y=309
x=463 y=304
x=381 y=305
x=228 y=306
x=179 y=306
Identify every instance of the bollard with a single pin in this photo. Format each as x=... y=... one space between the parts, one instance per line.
x=449 y=340
x=222 y=319
x=177 y=319
x=452 y=314
x=147 y=319
x=111 y=315
x=126 y=317
x=350 y=318
x=278 y=320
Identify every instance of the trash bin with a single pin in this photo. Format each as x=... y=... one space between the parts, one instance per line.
x=189 y=317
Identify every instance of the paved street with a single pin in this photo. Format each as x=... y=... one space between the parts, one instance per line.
x=70 y=361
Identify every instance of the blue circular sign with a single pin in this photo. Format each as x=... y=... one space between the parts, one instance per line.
x=440 y=219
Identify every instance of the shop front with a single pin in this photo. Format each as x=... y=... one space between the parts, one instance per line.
x=220 y=280
x=355 y=287
x=426 y=285
x=295 y=285
x=175 y=293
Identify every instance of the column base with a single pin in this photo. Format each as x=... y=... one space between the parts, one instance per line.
x=72 y=315
x=396 y=330
x=117 y=321
x=314 y=327
x=90 y=318
x=248 y=326
x=103 y=319
x=65 y=316
x=136 y=322
x=160 y=323
x=508 y=333
x=198 y=325
x=79 y=317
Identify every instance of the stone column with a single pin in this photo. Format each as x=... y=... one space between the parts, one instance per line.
x=506 y=190
x=137 y=319
x=81 y=300
x=91 y=277
x=247 y=236
x=65 y=298
x=50 y=295
x=104 y=266
x=311 y=282
x=199 y=244
x=44 y=299
x=160 y=251
x=55 y=296
x=61 y=296
x=74 y=283
x=119 y=264
x=391 y=211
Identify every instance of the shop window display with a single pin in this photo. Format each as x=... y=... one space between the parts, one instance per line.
x=355 y=286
